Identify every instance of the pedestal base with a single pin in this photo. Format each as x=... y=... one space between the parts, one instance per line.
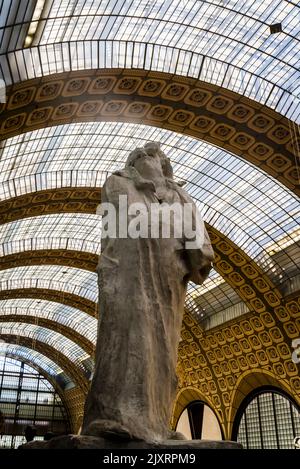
x=91 y=442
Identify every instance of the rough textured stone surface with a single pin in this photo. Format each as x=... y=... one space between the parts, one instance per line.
x=142 y=287
x=90 y=442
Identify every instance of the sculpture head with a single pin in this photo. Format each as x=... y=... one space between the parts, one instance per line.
x=151 y=150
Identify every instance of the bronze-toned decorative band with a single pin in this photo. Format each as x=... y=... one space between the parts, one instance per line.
x=185 y=105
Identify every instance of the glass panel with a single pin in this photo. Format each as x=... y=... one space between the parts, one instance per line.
x=8 y=395
x=220 y=42
x=212 y=297
x=271 y=418
x=242 y=436
x=253 y=422
x=28 y=404
x=284 y=422
x=31 y=355
x=71 y=317
x=63 y=231
x=10 y=381
x=268 y=422
x=58 y=341
x=248 y=206
x=76 y=281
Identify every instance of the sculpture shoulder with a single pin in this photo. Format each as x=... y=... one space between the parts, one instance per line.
x=115 y=184
x=183 y=194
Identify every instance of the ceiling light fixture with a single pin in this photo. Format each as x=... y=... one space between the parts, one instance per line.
x=275 y=28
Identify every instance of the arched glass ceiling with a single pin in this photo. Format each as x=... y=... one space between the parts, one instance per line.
x=213 y=296
x=79 y=232
x=61 y=343
x=31 y=355
x=66 y=315
x=224 y=42
x=64 y=279
x=72 y=280
x=13 y=359
x=248 y=206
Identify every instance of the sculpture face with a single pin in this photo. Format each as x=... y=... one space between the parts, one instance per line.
x=150 y=161
x=149 y=166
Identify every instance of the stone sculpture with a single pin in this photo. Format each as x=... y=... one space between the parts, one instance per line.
x=142 y=288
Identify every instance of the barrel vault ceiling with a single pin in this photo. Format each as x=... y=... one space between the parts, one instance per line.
x=87 y=81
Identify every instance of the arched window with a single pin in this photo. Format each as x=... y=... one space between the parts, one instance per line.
x=267 y=419
x=27 y=398
x=199 y=422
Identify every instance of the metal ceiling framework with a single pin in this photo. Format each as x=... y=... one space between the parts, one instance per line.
x=238 y=270
x=73 y=279
x=49 y=324
x=67 y=347
x=223 y=43
x=43 y=365
x=272 y=209
x=187 y=106
x=68 y=299
x=61 y=360
x=87 y=197
x=33 y=358
x=93 y=61
x=73 y=319
x=227 y=190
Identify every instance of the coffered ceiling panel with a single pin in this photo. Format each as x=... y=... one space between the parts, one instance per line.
x=223 y=42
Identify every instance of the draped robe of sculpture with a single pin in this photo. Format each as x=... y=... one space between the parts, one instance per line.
x=142 y=288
